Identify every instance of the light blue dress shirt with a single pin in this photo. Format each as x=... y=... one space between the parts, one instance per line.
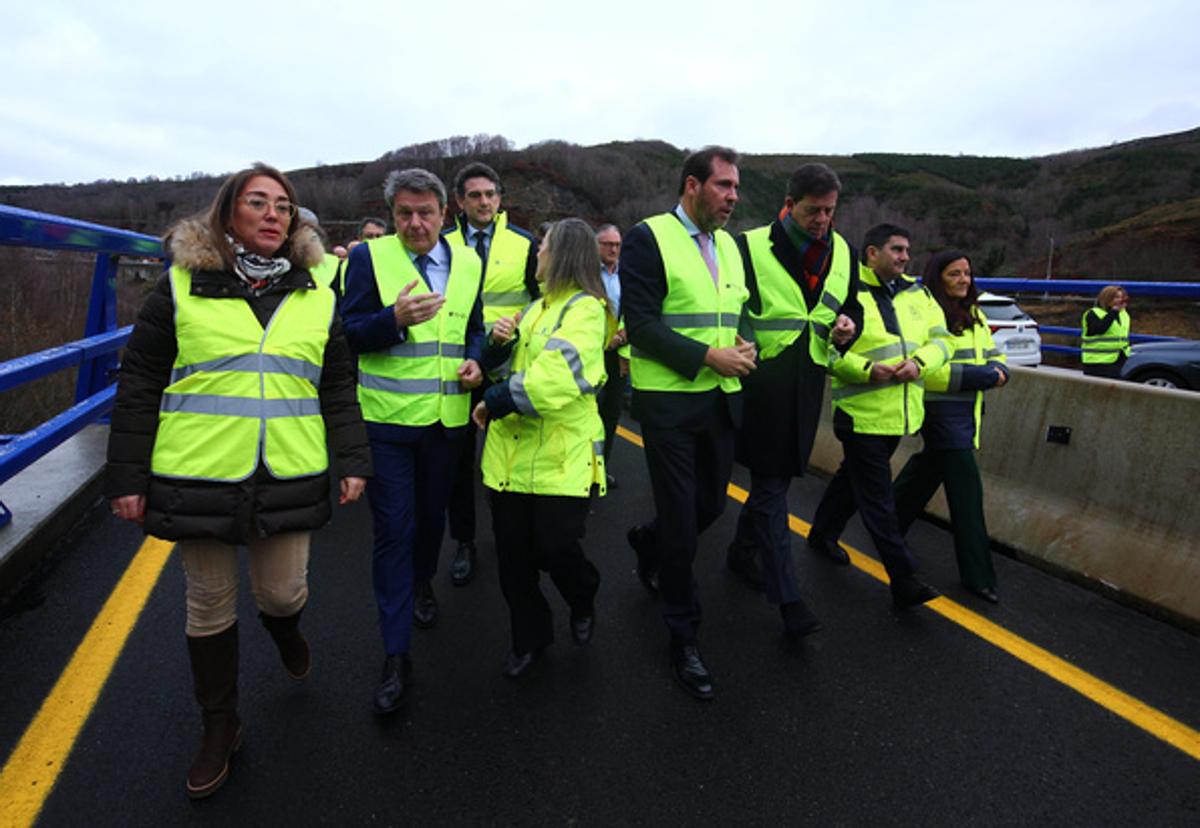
x=437 y=272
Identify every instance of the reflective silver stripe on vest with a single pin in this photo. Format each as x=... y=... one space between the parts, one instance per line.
x=830 y=301
x=956 y=378
x=992 y=352
x=571 y=355
x=1106 y=338
x=516 y=387
x=410 y=386
x=938 y=330
x=238 y=406
x=691 y=320
x=778 y=324
x=963 y=353
x=942 y=345
x=252 y=364
x=821 y=330
x=884 y=352
x=857 y=390
x=413 y=350
x=950 y=396
x=450 y=349
x=502 y=297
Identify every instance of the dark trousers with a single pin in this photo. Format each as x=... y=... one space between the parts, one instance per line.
x=957 y=470
x=413 y=468
x=609 y=399
x=461 y=506
x=864 y=482
x=534 y=534
x=763 y=528
x=689 y=472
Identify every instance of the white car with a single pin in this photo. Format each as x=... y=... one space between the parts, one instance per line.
x=1015 y=331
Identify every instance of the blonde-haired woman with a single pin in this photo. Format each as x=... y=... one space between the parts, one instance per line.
x=1105 y=333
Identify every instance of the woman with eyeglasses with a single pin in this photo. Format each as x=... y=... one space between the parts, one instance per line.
x=235 y=388
x=953 y=416
x=544 y=453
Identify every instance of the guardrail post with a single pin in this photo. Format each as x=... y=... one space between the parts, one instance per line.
x=94 y=373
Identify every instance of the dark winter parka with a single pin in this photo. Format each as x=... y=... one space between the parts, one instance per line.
x=261 y=505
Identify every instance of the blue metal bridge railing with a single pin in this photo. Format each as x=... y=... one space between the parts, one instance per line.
x=95 y=354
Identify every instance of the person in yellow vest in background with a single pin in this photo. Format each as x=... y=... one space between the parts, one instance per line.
x=414 y=317
x=878 y=397
x=953 y=416
x=613 y=392
x=543 y=456
x=509 y=257
x=803 y=283
x=682 y=292
x=235 y=389
x=1105 y=333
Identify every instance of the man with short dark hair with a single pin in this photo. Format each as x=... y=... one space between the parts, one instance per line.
x=803 y=283
x=682 y=291
x=509 y=257
x=877 y=398
x=413 y=315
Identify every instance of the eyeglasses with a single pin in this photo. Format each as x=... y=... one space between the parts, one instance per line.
x=283 y=209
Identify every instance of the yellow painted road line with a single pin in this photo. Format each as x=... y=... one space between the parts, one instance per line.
x=1132 y=710
x=31 y=771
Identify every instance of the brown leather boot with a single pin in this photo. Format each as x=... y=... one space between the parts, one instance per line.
x=293 y=649
x=214 y=677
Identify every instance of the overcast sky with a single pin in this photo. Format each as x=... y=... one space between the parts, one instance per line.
x=112 y=90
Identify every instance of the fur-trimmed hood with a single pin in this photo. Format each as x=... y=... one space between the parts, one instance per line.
x=192 y=247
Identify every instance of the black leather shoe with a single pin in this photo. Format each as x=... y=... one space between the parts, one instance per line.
x=909 y=592
x=798 y=620
x=744 y=565
x=832 y=551
x=425 y=608
x=641 y=538
x=582 y=627
x=986 y=593
x=462 y=569
x=397 y=675
x=691 y=672
x=517 y=664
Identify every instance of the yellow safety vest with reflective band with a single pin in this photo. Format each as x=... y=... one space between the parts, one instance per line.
x=974 y=346
x=1105 y=348
x=554 y=445
x=694 y=306
x=504 y=290
x=415 y=383
x=784 y=313
x=240 y=395
x=893 y=408
x=325 y=273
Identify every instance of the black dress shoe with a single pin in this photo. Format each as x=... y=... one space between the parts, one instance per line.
x=833 y=551
x=689 y=669
x=462 y=568
x=986 y=593
x=517 y=664
x=744 y=565
x=582 y=627
x=425 y=608
x=909 y=592
x=641 y=538
x=397 y=675
x=798 y=620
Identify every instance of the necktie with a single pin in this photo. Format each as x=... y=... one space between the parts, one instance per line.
x=422 y=263
x=480 y=241
x=706 y=251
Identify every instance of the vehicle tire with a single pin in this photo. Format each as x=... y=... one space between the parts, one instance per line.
x=1161 y=379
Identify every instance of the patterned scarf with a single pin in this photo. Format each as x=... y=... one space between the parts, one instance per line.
x=814 y=253
x=258 y=272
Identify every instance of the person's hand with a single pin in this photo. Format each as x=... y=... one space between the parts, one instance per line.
x=351 y=489
x=413 y=310
x=735 y=361
x=1003 y=378
x=623 y=366
x=907 y=371
x=470 y=375
x=480 y=415
x=881 y=373
x=618 y=339
x=505 y=327
x=130 y=507
x=843 y=330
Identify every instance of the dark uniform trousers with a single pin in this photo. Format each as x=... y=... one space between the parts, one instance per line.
x=534 y=534
x=413 y=472
x=461 y=505
x=689 y=468
x=763 y=526
x=957 y=469
x=864 y=481
x=609 y=399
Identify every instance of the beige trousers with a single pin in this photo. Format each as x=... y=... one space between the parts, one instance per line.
x=278 y=579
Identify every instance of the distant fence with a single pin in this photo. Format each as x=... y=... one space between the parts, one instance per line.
x=95 y=354
x=1089 y=288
